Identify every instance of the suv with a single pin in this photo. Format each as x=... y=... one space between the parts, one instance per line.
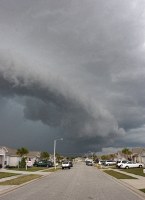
x=120 y=162
x=65 y=165
x=43 y=163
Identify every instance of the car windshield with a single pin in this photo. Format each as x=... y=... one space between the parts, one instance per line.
x=65 y=162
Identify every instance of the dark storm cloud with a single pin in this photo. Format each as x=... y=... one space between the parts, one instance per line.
x=77 y=120
x=77 y=66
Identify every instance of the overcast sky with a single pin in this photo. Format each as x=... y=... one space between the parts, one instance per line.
x=73 y=69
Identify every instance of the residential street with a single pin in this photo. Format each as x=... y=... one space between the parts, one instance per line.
x=79 y=183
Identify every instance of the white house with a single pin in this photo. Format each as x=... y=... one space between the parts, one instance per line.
x=8 y=156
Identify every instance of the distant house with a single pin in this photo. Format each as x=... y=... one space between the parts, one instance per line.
x=8 y=156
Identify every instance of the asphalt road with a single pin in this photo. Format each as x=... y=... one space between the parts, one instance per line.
x=79 y=183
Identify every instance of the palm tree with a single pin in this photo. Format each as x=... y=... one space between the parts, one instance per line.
x=21 y=152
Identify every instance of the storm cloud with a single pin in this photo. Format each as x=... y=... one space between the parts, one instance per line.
x=77 y=68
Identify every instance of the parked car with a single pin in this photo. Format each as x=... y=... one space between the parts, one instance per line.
x=43 y=163
x=71 y=163
x=89 y=163
x=50 y=164
x=101 y=162
x=65 y=165
x=120 y=162
x=110 y=162
x=130 y=164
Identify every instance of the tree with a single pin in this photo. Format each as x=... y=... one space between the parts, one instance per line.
x=22 y=152
x=105 y=157
x=127 y=152
x=45 y=155
x=58 y=157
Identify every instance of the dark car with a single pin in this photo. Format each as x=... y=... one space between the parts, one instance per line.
x=70 y=163
x=49 y=164
x=43 y=163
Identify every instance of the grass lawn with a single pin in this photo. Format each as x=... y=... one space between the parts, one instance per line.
x=143 y=190
x=136 y=171
x=29 y=169
x=20 y=180
x=118 y=175
x=5 y=174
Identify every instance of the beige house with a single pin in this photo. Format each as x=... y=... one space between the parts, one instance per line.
x=138 y=155
x=8 y=156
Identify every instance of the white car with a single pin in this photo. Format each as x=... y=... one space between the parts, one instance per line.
x=120 y=162
x=65 y=165
x=110 y=162
x=131 y=165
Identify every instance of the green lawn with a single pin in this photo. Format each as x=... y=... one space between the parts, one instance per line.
x=5 y=174
x=20 y=180
x=30 y=169
x=136 y=171
x=118 y=175
x=143 y=190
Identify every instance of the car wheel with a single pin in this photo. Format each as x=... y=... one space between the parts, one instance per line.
x=126 y=167
x=140 y=166
x=62 y=168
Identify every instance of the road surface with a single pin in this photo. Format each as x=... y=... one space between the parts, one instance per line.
x=79 y=183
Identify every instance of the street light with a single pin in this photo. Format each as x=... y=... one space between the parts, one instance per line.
x=55 y=149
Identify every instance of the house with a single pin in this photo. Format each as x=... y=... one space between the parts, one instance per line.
x=8 y=156
x=138 y=155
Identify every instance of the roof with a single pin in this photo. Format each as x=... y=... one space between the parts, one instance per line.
x=13 y=152
x=34 y=154
x=137 y=150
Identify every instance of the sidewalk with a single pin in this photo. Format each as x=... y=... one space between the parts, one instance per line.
x=6 y=188
x=138 y=183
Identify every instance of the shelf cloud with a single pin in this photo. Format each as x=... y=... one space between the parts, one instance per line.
x=73 y=70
